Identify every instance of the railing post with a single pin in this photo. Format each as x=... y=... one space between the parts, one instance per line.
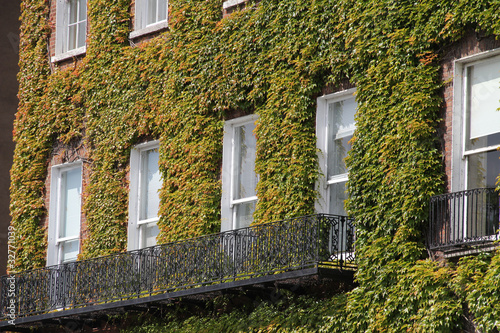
x=319 y=222
x=342 y=233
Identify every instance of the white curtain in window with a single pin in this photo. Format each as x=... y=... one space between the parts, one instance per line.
x=484 y=92
x=246 y=178
x=150 y=184
x=70 y=203
x=71 y=188
x=341 y=127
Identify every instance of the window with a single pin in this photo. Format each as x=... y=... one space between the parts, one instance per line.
x=239 y=179
x=150 y=16
x=65 y=213
x=71 y=28
x=334 y=128
x=144 y=199
x=476 y=122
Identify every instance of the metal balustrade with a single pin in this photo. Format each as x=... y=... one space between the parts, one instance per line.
x=262 y=250
x=463 y=218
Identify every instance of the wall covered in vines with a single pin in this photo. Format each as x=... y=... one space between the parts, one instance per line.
x=273 y=60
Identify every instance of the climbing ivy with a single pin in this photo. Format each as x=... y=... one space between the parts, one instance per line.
x=273 y=59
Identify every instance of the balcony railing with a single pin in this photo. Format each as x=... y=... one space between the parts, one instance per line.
x=464 y=218
x=264 y=250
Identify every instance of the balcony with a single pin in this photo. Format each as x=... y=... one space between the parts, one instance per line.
x=464 y=222
x=315 y=245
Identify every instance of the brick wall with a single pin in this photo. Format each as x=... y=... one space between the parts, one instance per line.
x=52 y=26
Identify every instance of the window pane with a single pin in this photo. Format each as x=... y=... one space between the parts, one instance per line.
x=70 y=250
x=70 y=203
x=337 y=152
x=162 y=10
x=341 y=116
x=245 y=176
x=483 y=142
x=244 y=214
x=82 y=14
x=150 y=184
x=81 y=34
x=152 y=11
x=73 y=11
x=484 y=95
x=483 y=169
x=338 y=195
x=72 y=37
x=341 y=127
x=149 y=233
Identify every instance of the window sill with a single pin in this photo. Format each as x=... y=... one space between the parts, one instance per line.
x=148 y=30
x=68 y=55
x=231 y=3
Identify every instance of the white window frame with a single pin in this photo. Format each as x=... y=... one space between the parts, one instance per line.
x=54 y=249
x=140 y=26
x=228 y=176
x=62 y=27
x=322 y=203
x=231 y=3
x=134 y=225
x=459 y=167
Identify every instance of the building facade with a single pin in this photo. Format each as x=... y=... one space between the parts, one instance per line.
x=187 y=147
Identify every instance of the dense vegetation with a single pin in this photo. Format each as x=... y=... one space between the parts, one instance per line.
x=272 y=60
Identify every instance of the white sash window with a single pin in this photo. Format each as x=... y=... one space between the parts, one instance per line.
x=335 y=127
x=144 y=199
x=65 y=214
x=476 y=122
x=239 y=179
x=71 y=28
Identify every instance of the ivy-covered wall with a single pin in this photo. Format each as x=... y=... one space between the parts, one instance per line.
x=273 y=60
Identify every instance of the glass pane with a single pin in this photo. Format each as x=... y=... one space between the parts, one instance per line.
x=152 y=11
x=341 y=127
x=81 y=34
x=484 y=98
x=149 y=233
x=244 y=214
x=341 y=116
x=245 y=176
x=72 y=37
x=162 y=10
x=82 y=14
x=70 y=250
x=150 y=184
x=73 y=11
x=71 y=182
x=337 y=196
x=337 y=152
x=483 y=142
x=483 y=169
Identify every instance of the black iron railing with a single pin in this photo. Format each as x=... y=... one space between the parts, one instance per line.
x=462 y=218
x=266 y=249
